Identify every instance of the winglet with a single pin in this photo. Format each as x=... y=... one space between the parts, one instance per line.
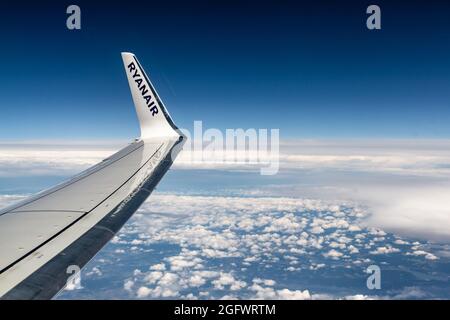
x=154 y=119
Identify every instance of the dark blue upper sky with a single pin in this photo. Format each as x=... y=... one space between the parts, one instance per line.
x=312 y=69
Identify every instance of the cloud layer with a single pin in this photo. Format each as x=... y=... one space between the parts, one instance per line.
x=405 y=183
x=259 y=248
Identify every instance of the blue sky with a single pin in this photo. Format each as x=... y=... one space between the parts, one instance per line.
x=313 y=70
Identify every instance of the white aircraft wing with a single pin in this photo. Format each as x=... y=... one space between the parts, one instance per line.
x=43 y=239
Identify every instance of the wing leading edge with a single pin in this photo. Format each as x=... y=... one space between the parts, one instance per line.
x=43 y=237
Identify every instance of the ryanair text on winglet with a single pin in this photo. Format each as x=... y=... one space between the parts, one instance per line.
x=143 y=88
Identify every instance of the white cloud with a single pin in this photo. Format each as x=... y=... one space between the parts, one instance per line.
x=95 y=271
x=168 y=279
x=359 y=297
x=427 y=255
x=28 y=160
x=143 y=292
x=335 y=244
x=227 y=279
x=418 y=157
x=333 y=254
x=286 y=294
x=153 y=277
x=353 y=250
x=267 y=282
x=266 y=293
x=317 y=230
x=423 y=211
x=128 y=285
x=228 y=297
x=354 y=228
x=385 y=250
x=196 y=280
x=316 y=266
x=180 y=262
x=158 y=267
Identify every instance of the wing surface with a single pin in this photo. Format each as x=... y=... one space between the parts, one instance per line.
x=47 y=236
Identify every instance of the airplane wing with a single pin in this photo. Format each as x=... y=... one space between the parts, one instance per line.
x=46 y=236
